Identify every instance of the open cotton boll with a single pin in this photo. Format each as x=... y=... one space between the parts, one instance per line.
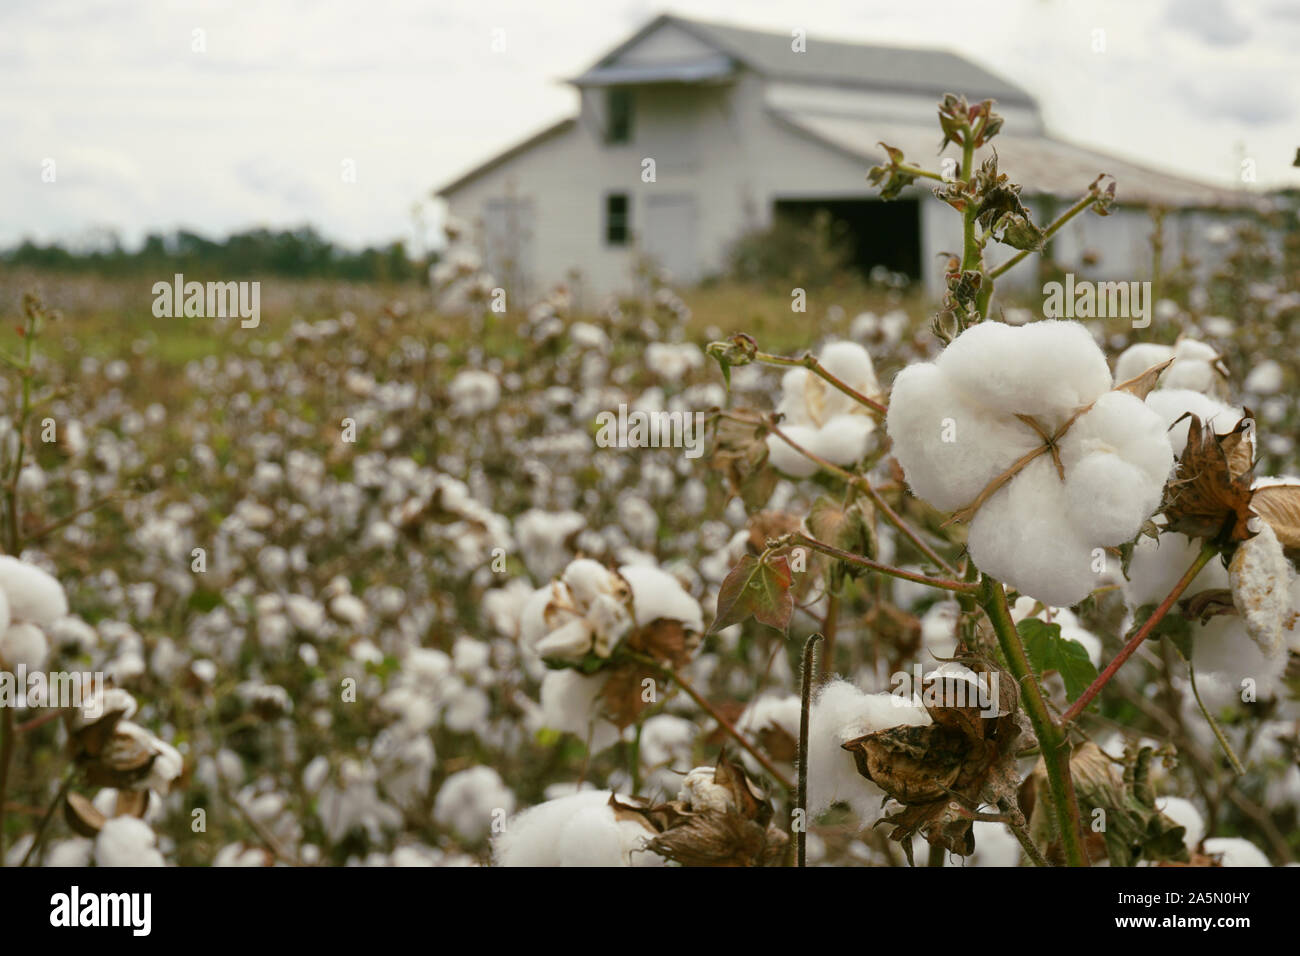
x=1264 y=379
x=1158 y=564
x=1022 y=535
x=1116 y=459
x=1172 y=403
x=1139 y=357
x=1236 y=852
x=576 y=830
x=1048 y=368
x=1260 y=577
x=33 y=595
x=24 y=645
x=950 y=448
x=785 y=459
x=126 y=841
x=1184 y=813
x=1223 y=651
x=842 y=440
x=840 y=713
x=570 y=703
x=852 y=365
x=657 y=594
x=469 y=800
x=1193 y=368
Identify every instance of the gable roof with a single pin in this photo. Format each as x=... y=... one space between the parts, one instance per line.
x=555 y=129
x=831 y=61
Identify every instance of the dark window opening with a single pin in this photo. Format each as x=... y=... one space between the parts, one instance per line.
x=618 y=115
x=878 y=233
x=616 y=224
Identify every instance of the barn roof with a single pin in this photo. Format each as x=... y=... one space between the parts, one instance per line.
x=830 y=61
x=1045 y=165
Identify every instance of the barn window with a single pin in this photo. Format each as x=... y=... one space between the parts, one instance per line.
x=618 y=115
x=616 y=230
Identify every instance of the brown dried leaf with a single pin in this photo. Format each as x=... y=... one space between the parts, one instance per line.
x=1142 y=385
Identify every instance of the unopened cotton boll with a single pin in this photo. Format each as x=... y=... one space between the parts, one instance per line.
x=33 y=595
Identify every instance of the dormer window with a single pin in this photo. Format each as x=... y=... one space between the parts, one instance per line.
x=618 y=115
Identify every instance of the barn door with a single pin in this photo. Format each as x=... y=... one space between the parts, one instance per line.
x=669 y=234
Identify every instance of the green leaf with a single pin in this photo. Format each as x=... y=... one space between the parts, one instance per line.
x=759 y=589
x=1049 y=651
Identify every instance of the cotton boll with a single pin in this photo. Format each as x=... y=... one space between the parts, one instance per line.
x=995 y=845
x=851 y=364
x=949 y=448
x=1221 y=650
x=1049 y=368
x=470 y=800
x=1260 y=577
x=1193 y=368
x=1172 y=403
x=785 y=459
x=1022 y=536
x=1184 y=813
x=24 y=645
x=939 y=629
x=126 y=841
x=1236 y=852
x=1265 y=378
x=576 y=830
x=33 y=595
x=1110 y=497
x=586 y=579
x=570 y=703
x=842 y=713
x=699 y=792
x=1136 y=359
x=658 y=594
x=569 y=641
x=1158 y=564
x=842 y=440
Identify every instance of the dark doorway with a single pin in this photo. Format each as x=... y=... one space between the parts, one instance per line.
x=881 y=233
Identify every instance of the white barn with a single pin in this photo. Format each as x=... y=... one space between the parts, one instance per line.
x=741 y=127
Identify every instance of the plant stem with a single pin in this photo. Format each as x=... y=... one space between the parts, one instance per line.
x=1237 y=768
x=961 y=587
x=830 y=624
x=1050 y=231
x=45 y=819
x=809 y=361
x=709 y=709
x=805 y=709
x=1078 y=707
x=1052 y=741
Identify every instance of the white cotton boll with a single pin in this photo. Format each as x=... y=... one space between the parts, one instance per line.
x=5 y=618
x=995 y=845
x=852 y=365
x=1109 y=497
x=349 y=609
x=576 y=830
x=33 y=595
x=24 y=645
x=586 y=579
x=699 y=792
x=1184 y=813
x=667 y=740
x=939 y=629
x=1193 y=368
x=1236 y=852
x=1022 y=536
x=1265 y=378
x=1047 y=368
x=949 y=449
x=842 y=440
x=658 y=594
x=1158 y=564
x=1120 y=424
x=1221 y=649
x=785 y=459
x=570 y=702
x=569 y=641
x=841 y=713
x=470 y=800
x=1136 y=359
x=1172 y=403
x=126 y=841
x=75 y=852
x=1260 y=577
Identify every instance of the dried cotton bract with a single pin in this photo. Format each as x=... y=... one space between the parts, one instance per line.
x=964 y=427
x=822 y=419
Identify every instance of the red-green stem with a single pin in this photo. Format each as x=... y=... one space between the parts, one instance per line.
x=1136 y=640
x=1052 y=741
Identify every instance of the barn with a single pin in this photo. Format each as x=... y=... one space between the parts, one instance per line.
x=690 y=134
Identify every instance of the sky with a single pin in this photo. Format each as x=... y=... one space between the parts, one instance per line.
x=346 y=114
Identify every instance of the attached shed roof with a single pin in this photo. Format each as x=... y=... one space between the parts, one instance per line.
x=833 y=61
x=1045 y=165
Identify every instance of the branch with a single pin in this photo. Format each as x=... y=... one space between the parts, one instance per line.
x=809 y=361
x=960 y=587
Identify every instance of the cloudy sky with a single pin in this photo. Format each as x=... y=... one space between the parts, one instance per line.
x=151 y=125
